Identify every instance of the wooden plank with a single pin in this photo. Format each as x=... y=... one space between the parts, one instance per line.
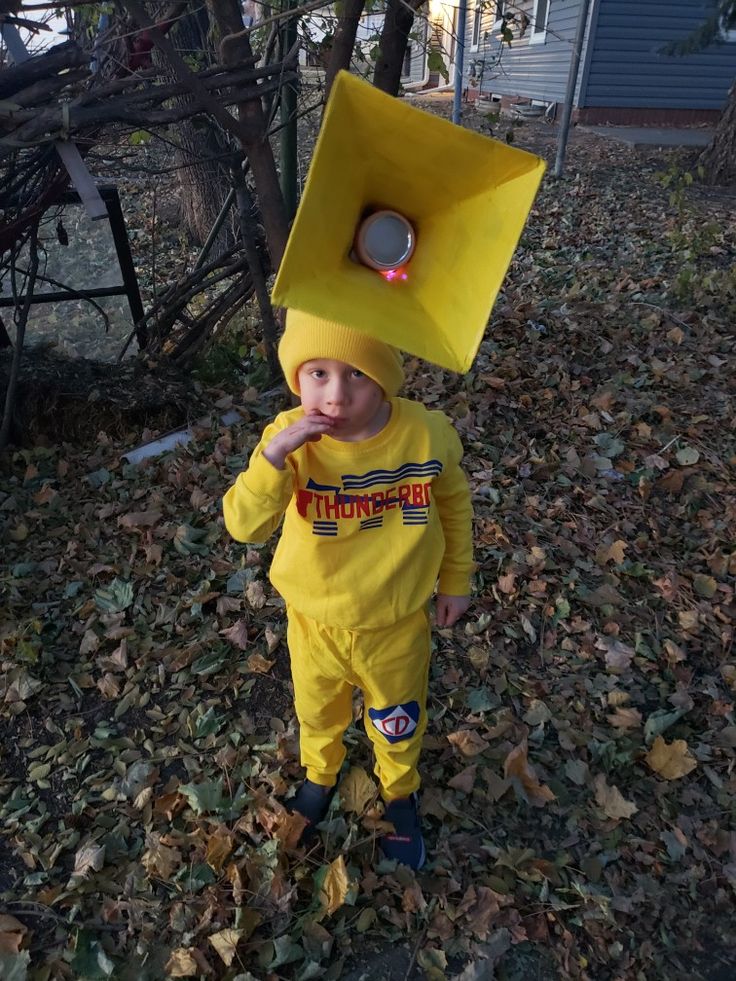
x=68 y=152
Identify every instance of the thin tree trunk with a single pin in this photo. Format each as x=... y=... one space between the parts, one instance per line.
x=343 y=41
x=270 y=329
x=20 y=334
x=397 y=25
x=719 y=159
x=250 y=128
x=234 y=49
x=204 y=181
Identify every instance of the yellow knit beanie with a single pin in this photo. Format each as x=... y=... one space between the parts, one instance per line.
x=307 y=338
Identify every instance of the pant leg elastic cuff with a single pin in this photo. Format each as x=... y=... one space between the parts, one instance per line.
x=323 y=779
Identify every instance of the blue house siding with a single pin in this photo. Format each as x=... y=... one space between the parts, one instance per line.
x=625 y=65
x=622 y=66
x=531 y=71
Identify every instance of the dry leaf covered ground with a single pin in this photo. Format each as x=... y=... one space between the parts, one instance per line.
x=579 y=766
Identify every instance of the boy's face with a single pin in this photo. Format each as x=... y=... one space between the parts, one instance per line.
x=353 y=401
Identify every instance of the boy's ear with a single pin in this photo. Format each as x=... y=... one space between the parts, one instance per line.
x=467 y=197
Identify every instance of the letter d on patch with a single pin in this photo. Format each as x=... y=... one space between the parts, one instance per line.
x=396 y=722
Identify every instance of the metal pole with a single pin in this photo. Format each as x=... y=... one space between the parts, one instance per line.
x=462 y=13
x=127 y=266
x=572 y=81
x=215 y=230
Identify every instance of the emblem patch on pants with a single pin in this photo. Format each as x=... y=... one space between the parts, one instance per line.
x=396 y=722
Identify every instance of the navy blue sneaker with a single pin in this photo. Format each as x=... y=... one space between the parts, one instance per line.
x=406 y=844
x=312 y=800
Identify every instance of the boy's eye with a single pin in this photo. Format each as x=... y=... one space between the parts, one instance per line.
x=357 y=373
x=317 y=373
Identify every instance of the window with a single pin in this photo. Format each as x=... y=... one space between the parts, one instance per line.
x=477 y=20
x=539 y=22
x=497 y=8
x=406 y=67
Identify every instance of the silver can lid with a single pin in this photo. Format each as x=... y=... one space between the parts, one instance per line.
x=385 y=240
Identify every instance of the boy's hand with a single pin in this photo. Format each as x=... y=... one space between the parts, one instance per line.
x=308 y=429
x=449 y=609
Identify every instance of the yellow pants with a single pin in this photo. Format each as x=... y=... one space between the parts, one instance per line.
x=390 y=666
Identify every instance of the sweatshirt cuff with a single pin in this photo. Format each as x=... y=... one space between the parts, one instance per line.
x=454 y=583
x=263 y=477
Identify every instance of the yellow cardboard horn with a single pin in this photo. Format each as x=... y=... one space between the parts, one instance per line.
x=466 y=196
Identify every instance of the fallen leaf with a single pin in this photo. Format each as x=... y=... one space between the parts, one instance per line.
x=468 y=742
x=672 y=483
x=14 y=967
x=413 y=900
x=577 y=771
x=12 y=932
x=225 y=943
x=154 y=553
x=618 y=654
x=688 y=620
x=705 y=586
x=464 y=780
x=139 y=519
x=611 y=801
x=480 y=906
x=169 y=805
x=433 y=963
x=625 y=718
x=673 y=652
x=159 y=860
x=273 y=638
x=45 y=495
x=182 y=964
x=615 y=553
x=89 y=858
x=335 y=886
x=357 y=790
x=90 y=643
x=517 y=768
x=255 y=594
x=259 y=664
x=237 y=635
x=687 y=456
x=287 y=827
x=219 y=847
x=670 y=760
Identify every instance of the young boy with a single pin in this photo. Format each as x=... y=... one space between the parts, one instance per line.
x=376 y=508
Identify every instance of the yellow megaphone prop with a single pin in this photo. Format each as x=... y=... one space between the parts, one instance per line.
x=407 y=225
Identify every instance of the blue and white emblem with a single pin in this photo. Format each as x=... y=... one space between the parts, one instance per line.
x=396 y=722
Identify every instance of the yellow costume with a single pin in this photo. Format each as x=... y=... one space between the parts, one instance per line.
x=368 y=528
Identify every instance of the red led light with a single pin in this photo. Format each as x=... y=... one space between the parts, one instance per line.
x=390 y=275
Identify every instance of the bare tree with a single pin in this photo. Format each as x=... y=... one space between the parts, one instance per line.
x=344 y=41
x=203 y=154
x=397 y=25
x=718 y=160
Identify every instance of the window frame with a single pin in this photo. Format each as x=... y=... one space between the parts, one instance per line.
x=537 y=36
x=477 y=26
x=407 y=60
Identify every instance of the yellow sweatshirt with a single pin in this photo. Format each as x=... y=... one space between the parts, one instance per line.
x=368 y=525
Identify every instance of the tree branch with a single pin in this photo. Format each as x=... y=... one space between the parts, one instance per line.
x=20 y=333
